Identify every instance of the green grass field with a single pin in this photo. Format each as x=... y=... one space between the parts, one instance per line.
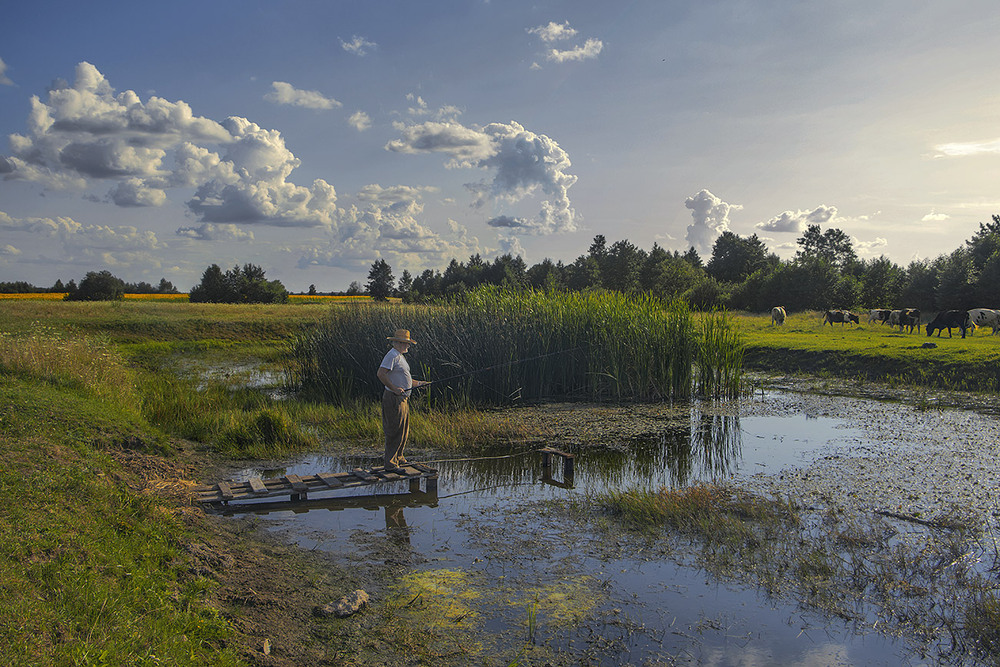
x=871 y=352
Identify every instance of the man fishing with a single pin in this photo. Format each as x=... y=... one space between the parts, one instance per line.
x=394 y=373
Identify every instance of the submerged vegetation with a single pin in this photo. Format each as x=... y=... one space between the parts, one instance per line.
x=499 y=346
x=928 y=585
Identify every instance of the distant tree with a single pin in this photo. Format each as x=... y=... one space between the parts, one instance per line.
x=213 y=288
x=583 y=274
x=354 y=289
x=623 y=263
x=19 y=287
x=312 y=290
x=71 y=286
x=987 y=289
x=246 y=284
x=833 y=245
x=405 y=283
x=58 y=286
x=166 y=287
x=956 y=279
x=669 y=275
x=734 y=257
x=985 y=243
x=380 y=281
x=547 y=275
x=507 y=271
x=692 y=257
x=706 y=294
x=98 y=286
x=919 y=286
x=140 y=287
x=881 y=283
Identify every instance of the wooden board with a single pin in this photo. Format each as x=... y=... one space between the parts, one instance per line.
x=298 y=486
x=225 y=491
x=330 y=480
x=364 y=474
x=257 y=486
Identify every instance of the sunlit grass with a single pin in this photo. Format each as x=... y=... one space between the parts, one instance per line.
x=86 y=363
x=872 y=352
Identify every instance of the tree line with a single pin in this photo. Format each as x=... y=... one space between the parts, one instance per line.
x=740 y=274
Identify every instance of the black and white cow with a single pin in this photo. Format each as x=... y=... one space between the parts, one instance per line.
x=909 y=319
x=841 y=316
x=950 y=319
x=985 y=317
x=778 y=315
x=880 y=315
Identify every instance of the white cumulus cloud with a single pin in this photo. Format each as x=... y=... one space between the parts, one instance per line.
x=4 y=79
x=590 y=49
x=360 y=121
x=935 y=217
x=797 y=221
x=86 y=132
x=553 y=32
x=960 y=149
x=212 y=232
x=711 y=218
x=521 y=161
x=359 y=46
x=286 y=93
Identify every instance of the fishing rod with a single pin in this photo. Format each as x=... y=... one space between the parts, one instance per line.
x=490 y=368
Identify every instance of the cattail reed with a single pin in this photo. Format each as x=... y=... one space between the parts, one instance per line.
x=506 y=345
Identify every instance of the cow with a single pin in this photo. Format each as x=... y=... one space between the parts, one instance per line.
x=910 y=319
x=985 y=317
x=842 y=316
x=880 y=315
x=778 y=315
x=950 y=319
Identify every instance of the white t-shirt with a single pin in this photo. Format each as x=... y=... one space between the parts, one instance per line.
x=399 y=370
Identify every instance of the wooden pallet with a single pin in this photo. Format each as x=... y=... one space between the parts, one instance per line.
x=298 y=487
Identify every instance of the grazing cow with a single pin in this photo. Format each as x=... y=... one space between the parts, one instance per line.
x=985 y=317
x=950 y=319
x=894 y=317
x=778 y=315
x=910 y=319
x=842 y=316
x=880 y=315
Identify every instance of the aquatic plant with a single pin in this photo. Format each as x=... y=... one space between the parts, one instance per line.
x=498 y=346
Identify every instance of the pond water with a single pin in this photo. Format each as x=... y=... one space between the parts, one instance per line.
x=487 y=522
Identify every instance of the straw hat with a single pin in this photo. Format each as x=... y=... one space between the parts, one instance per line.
x=402 y=336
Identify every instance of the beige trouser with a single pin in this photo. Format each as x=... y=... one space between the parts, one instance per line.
x=396 y=424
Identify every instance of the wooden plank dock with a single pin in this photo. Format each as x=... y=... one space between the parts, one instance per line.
x=298 y=487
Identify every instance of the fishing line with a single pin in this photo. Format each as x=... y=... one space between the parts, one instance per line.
x=489 y=368
x=480 y=458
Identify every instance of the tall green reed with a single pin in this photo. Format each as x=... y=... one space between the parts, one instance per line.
x=498 y=346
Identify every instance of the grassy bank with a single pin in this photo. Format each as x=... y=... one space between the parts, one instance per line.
x=91 y=572
x=871 y=353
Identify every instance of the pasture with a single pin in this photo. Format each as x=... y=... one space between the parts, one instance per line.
x=870 y=352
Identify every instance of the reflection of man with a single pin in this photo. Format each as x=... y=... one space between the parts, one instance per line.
x=395 y=525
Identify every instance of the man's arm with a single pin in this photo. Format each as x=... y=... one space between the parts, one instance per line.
x=383 y=376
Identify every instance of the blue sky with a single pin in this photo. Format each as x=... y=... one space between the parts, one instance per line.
x=313 y=138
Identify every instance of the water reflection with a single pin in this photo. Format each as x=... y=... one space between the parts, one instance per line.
x=486 y=525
